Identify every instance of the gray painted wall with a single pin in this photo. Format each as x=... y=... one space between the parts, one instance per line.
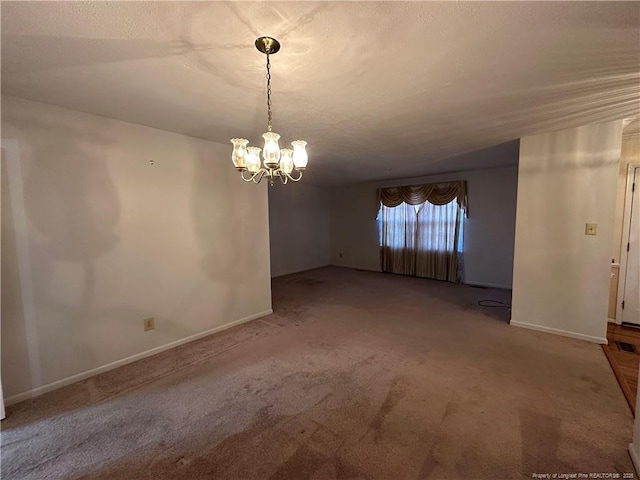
x=489 y=230
x=298 y=227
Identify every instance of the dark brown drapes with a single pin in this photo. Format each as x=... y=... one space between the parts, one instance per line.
x=434 y=193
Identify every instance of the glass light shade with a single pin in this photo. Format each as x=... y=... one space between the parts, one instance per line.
x=286 y=160
x=271 y=151
x=300 y=157
x=239 y=152
x=253 y=159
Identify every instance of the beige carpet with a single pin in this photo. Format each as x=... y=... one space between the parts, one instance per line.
x=357 y=375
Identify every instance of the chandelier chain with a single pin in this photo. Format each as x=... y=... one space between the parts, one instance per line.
x=268 y=93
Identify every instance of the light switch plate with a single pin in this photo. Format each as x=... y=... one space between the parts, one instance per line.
x=591 y=229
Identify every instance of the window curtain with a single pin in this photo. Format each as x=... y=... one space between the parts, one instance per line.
x=398 y=239
x=423 y=236
x=434 y=193
x=437 y=237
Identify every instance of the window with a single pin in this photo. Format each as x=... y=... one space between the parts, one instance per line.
x=425 y=240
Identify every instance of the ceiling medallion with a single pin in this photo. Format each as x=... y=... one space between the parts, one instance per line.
x=276 y=162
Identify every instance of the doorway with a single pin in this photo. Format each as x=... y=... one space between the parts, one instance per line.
x=629 y=285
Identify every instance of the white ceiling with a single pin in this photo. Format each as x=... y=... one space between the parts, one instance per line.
x=379 y=89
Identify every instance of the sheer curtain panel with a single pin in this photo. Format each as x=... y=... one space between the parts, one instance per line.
x=423 y=238
x=398 y=239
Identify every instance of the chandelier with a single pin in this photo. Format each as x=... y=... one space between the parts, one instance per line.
x=276 y=162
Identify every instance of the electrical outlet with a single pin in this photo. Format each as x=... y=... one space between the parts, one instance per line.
x=149 y=324
x=591 y=229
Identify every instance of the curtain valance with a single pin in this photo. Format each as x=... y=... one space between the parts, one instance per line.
x=434 y=193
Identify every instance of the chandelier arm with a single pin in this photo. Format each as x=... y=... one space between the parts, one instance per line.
x=284 y=178
x=251 y=177
x=257 y=178
x=293 y=179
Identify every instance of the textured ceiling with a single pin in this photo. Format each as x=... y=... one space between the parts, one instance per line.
x=379 y=89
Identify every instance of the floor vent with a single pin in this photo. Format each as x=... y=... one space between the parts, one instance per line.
x=626 y=347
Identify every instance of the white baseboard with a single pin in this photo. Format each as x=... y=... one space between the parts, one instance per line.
x=356 y=267
x=19 y=397
x=489 y=285
x=378 y=269
x=305 y=269
x=556 y=331
x=634 y=458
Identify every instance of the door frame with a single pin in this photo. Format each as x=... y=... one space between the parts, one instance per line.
x=626 y=229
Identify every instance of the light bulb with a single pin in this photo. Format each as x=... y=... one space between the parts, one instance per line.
x=253 y=159
x=286 y=160
x=300 y=157
x=239 y=152
x=271 y=151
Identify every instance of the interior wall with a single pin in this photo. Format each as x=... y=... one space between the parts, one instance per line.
x=298 y=227
x=106 y=223
x=561 y=276
x=489 y=229
x=354 y=229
